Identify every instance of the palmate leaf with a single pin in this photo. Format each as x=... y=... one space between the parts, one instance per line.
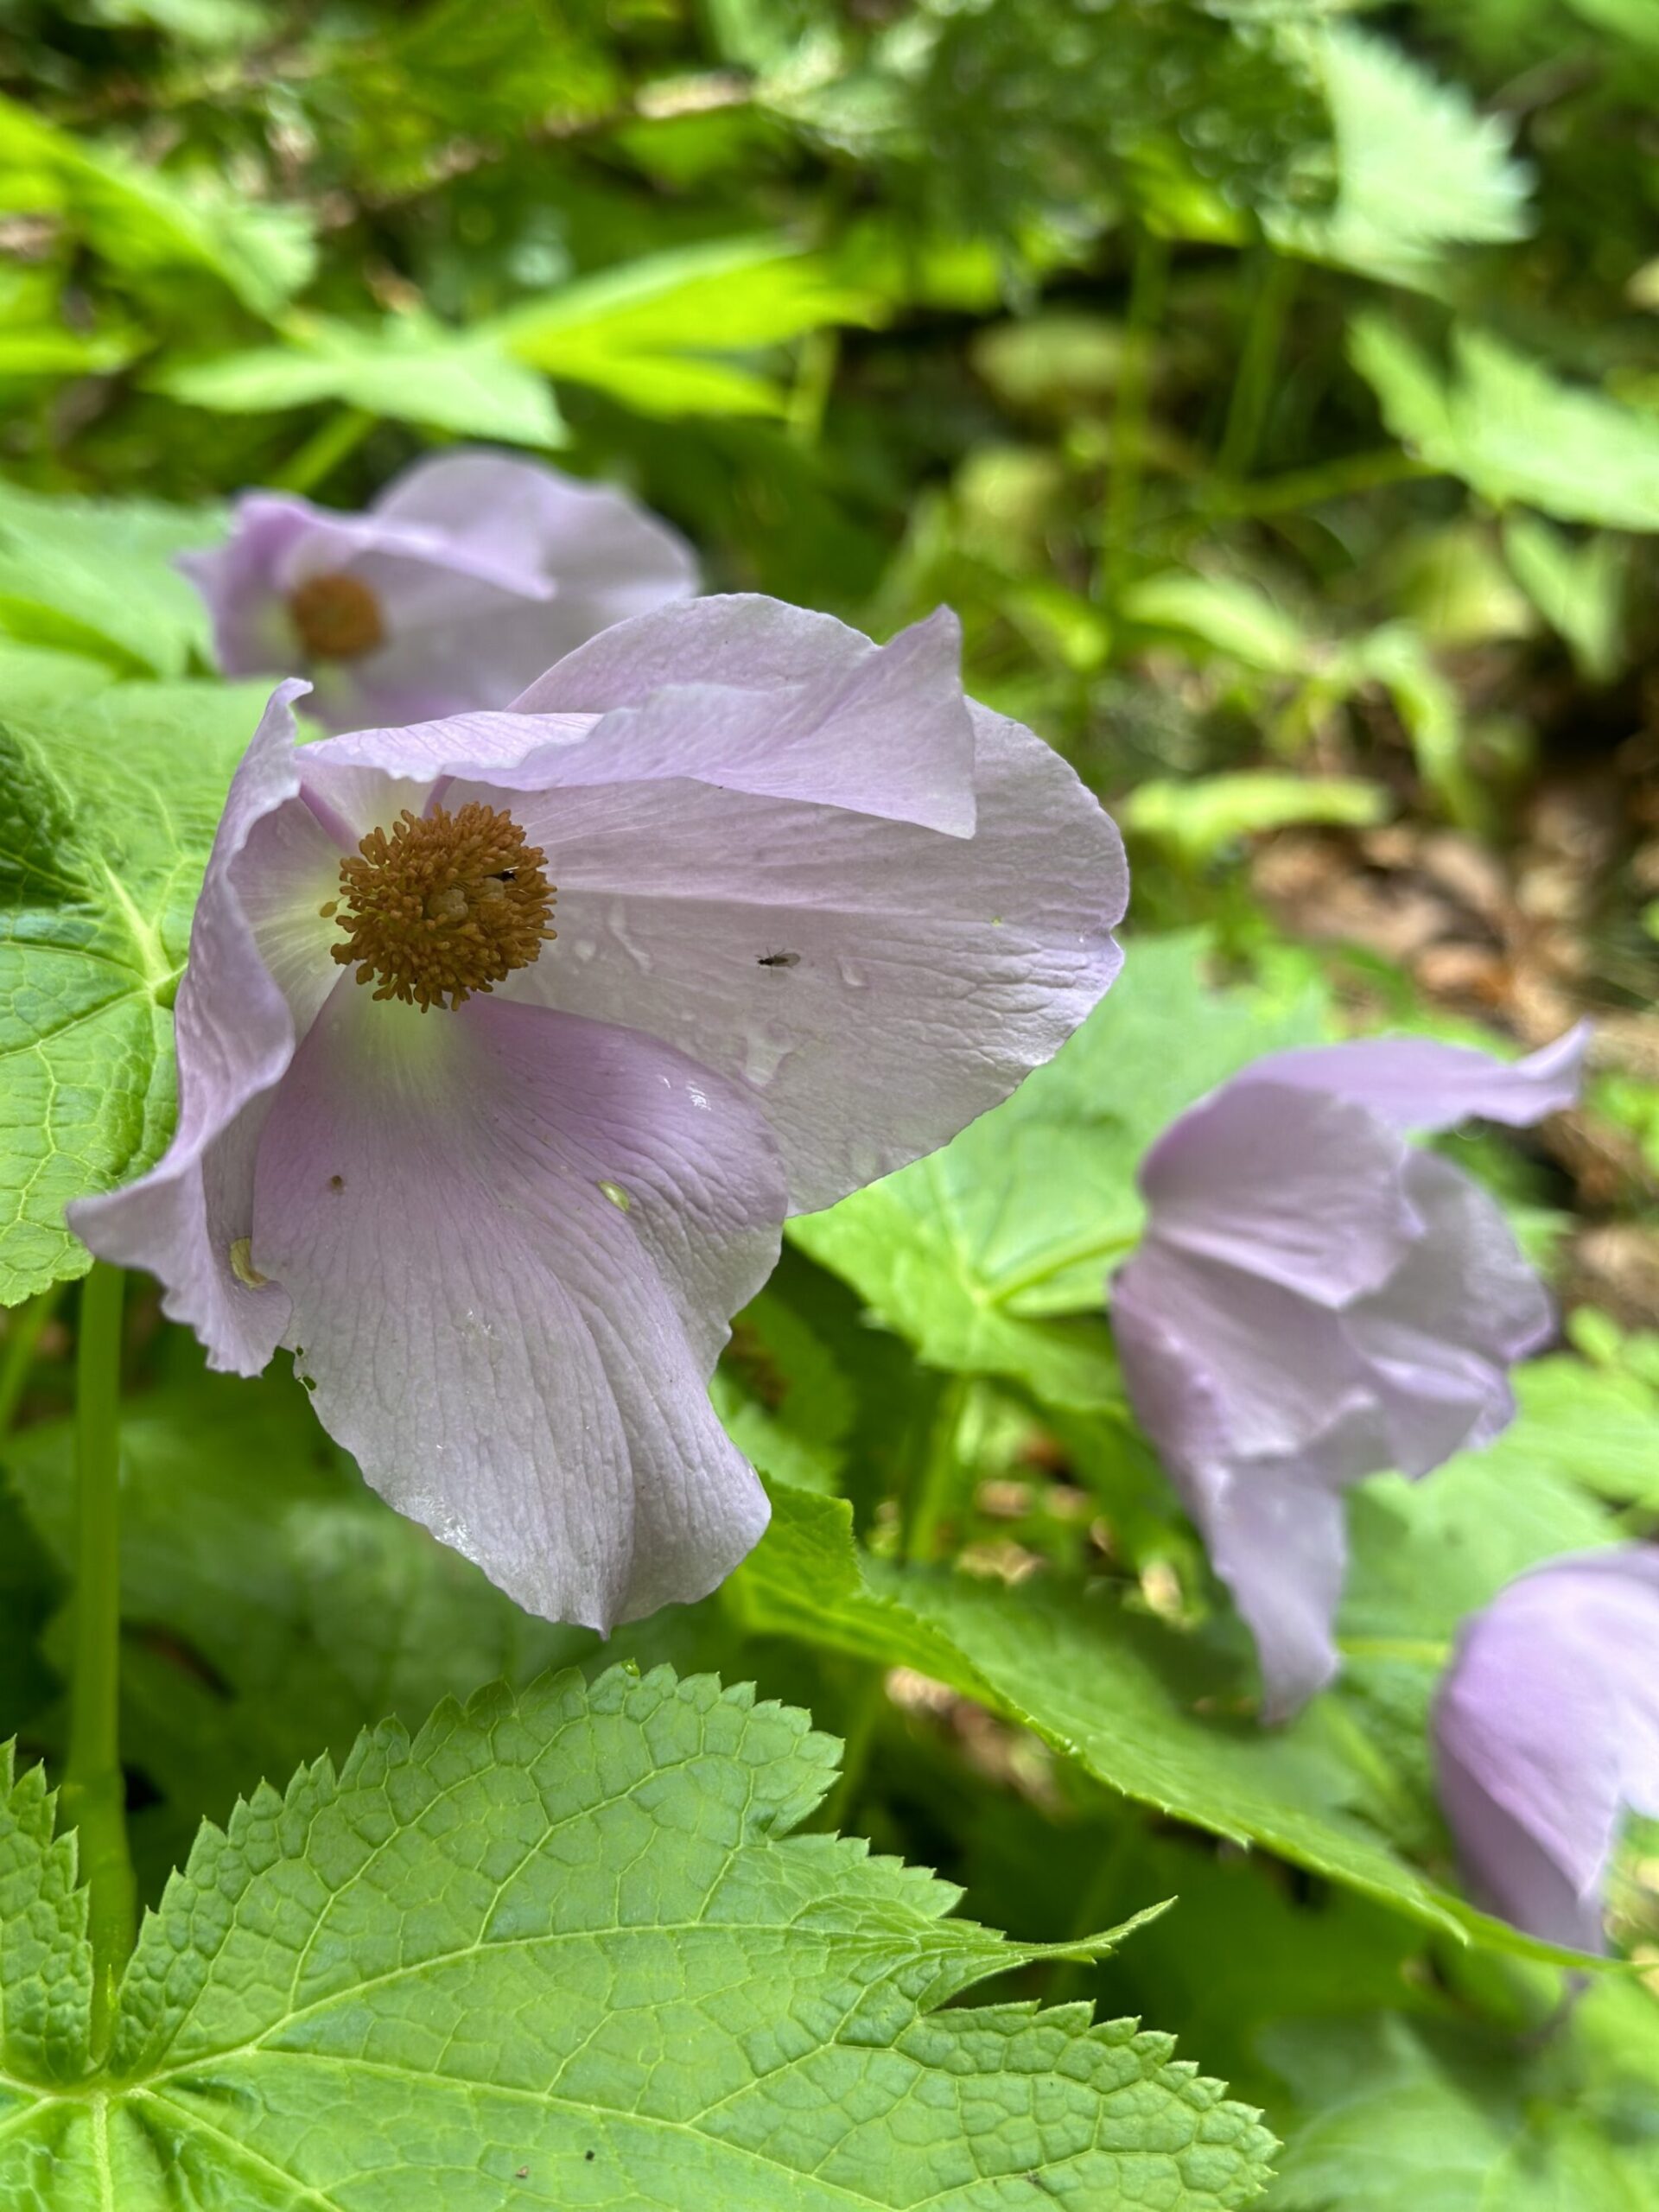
x=107 y=809
x=563 y=1950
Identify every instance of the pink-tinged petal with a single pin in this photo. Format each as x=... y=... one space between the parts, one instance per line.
x=1442 y=1335
x=1301 y=1188
x=1416 y=1083
x=513 y=1357
x=753 y=696
x=235 y=1031
x=875 y=985
x=1546 y=1729
x=1272 y=1523
x=611 y=556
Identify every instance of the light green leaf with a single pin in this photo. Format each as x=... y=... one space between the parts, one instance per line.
x=107 y=809
x=97 y=580
x=1513 y=431
x=1578 y=588
x=1138 y=1707
x=564 y=1949
x=1418 y=168
x=1196 y=817
x=1022 y=1214
x=650 y=333
x=141 y=219
x=1237 y=618
x=408 y=369
x=1395 y=2117
x=1395 y=655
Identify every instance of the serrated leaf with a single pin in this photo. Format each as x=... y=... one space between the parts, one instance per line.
x=97 y=580
x=1512 y=430
x=1578 y=588
x=1019 y=1217
x=107 y=811
x=407 y=369
x=1418 y=168
x=564 y=1949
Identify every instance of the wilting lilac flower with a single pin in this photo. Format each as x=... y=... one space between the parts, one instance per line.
x=1315 y=1300
x=471 y=573
x=1546 y=1729
x=502 y=1192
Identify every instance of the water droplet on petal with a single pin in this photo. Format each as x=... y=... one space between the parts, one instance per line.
x=764 y=1053
x=616 y=920
x=852 y=976
x=621 y=1199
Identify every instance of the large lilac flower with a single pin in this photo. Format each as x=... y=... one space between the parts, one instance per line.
x=1315 y=1300
x=1546 y=1728
x=471 y=573
x=501 y=1192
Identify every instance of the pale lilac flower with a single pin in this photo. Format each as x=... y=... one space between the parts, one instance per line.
x=1315 y=1300
x=1547 y=1730
x=470 y=573
x=815 y=911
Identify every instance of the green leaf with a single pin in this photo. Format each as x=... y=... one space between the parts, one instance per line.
x=650 y=332
x=969 y=1253
x=141 y=219
x=564 y=1949
x=97 y=580
x=1578 y=588
x=108 y=811
x=1419 y=168
x=1147 y=1711
x=273 y=1604
x=1235 y=618
x=408 y=369
x=1394 y=2117
x=1198 y=816
x=1512 y=430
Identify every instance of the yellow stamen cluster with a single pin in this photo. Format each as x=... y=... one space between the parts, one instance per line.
x=444 y=905
x=336 y=617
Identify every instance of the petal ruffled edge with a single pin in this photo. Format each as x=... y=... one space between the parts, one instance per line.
x=235 y=1037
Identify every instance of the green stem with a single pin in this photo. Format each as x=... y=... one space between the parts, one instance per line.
x=935 y=1474
x=1270 y=298
x=94 y=1790
x=1149 y=280
x=1331 y=479
x=323 y=451
x=815 y=377
x=866 y=1708
x=22 y=1336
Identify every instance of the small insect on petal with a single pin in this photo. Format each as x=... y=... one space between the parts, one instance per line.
x=619 y=1197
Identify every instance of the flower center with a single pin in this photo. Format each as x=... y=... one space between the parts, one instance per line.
x=337 y=617
x=443 y=906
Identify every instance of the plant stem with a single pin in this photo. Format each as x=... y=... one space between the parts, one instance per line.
x=324 y=450
x=1330 y=479
x=1148 y=277
x=1270 y=298
x=934 y=1475
x=94 y=1789
x=27 y=1322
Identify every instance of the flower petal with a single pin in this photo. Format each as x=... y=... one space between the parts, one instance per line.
x=1546 y=1726
x=235 y=1029
x=1417 y=1083
x=514 y=1357
x=753 y=696
x=1441 y=1334
x=874 y=984
x=1298 y=1187
x=1273 y=1522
